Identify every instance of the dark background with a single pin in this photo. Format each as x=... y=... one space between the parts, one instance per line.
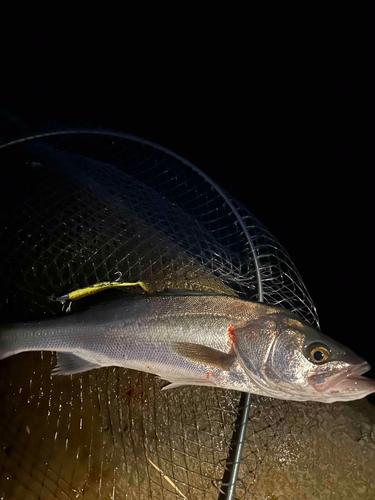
x=296 y=152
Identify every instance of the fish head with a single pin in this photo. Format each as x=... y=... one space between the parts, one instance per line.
x=289 y=359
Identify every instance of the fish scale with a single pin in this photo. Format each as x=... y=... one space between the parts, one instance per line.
x=137 y=332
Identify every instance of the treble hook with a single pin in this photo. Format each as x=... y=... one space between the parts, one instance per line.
x=119 y=278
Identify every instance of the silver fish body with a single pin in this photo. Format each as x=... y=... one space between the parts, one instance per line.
x=211 y=340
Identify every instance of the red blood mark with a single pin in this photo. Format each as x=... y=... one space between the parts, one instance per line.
x=210 y=374
x=232 y=335
x=136 y=391
x=231 y=332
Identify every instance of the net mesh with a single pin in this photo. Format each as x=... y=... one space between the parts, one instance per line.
x=95 y=206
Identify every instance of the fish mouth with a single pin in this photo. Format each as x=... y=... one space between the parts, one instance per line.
x=345 y=380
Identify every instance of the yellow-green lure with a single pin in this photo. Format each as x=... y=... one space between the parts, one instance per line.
x=98 y=287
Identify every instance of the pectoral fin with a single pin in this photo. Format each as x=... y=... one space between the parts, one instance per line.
x=68 y=364
x=203 y=354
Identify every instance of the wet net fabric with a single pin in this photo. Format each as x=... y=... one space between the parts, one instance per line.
x=90 y=207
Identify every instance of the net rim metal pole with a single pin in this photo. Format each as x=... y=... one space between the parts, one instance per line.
x=238 y=437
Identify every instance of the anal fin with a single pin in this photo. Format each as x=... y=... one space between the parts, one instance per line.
x=68 y=364
x=178 y=382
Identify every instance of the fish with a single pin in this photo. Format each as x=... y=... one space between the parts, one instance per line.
x=207 y=340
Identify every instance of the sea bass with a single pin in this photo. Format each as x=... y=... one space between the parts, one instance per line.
x=199 y=339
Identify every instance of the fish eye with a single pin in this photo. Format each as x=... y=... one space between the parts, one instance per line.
x=317 y=353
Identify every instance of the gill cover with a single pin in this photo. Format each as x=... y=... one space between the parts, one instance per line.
x=253 y=343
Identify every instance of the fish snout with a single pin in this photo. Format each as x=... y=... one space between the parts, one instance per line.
x=360 y=368
x=349 y=378
x=353 y=379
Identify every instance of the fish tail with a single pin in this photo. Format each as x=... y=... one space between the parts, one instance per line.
x=5 y=349
x=10 y=341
